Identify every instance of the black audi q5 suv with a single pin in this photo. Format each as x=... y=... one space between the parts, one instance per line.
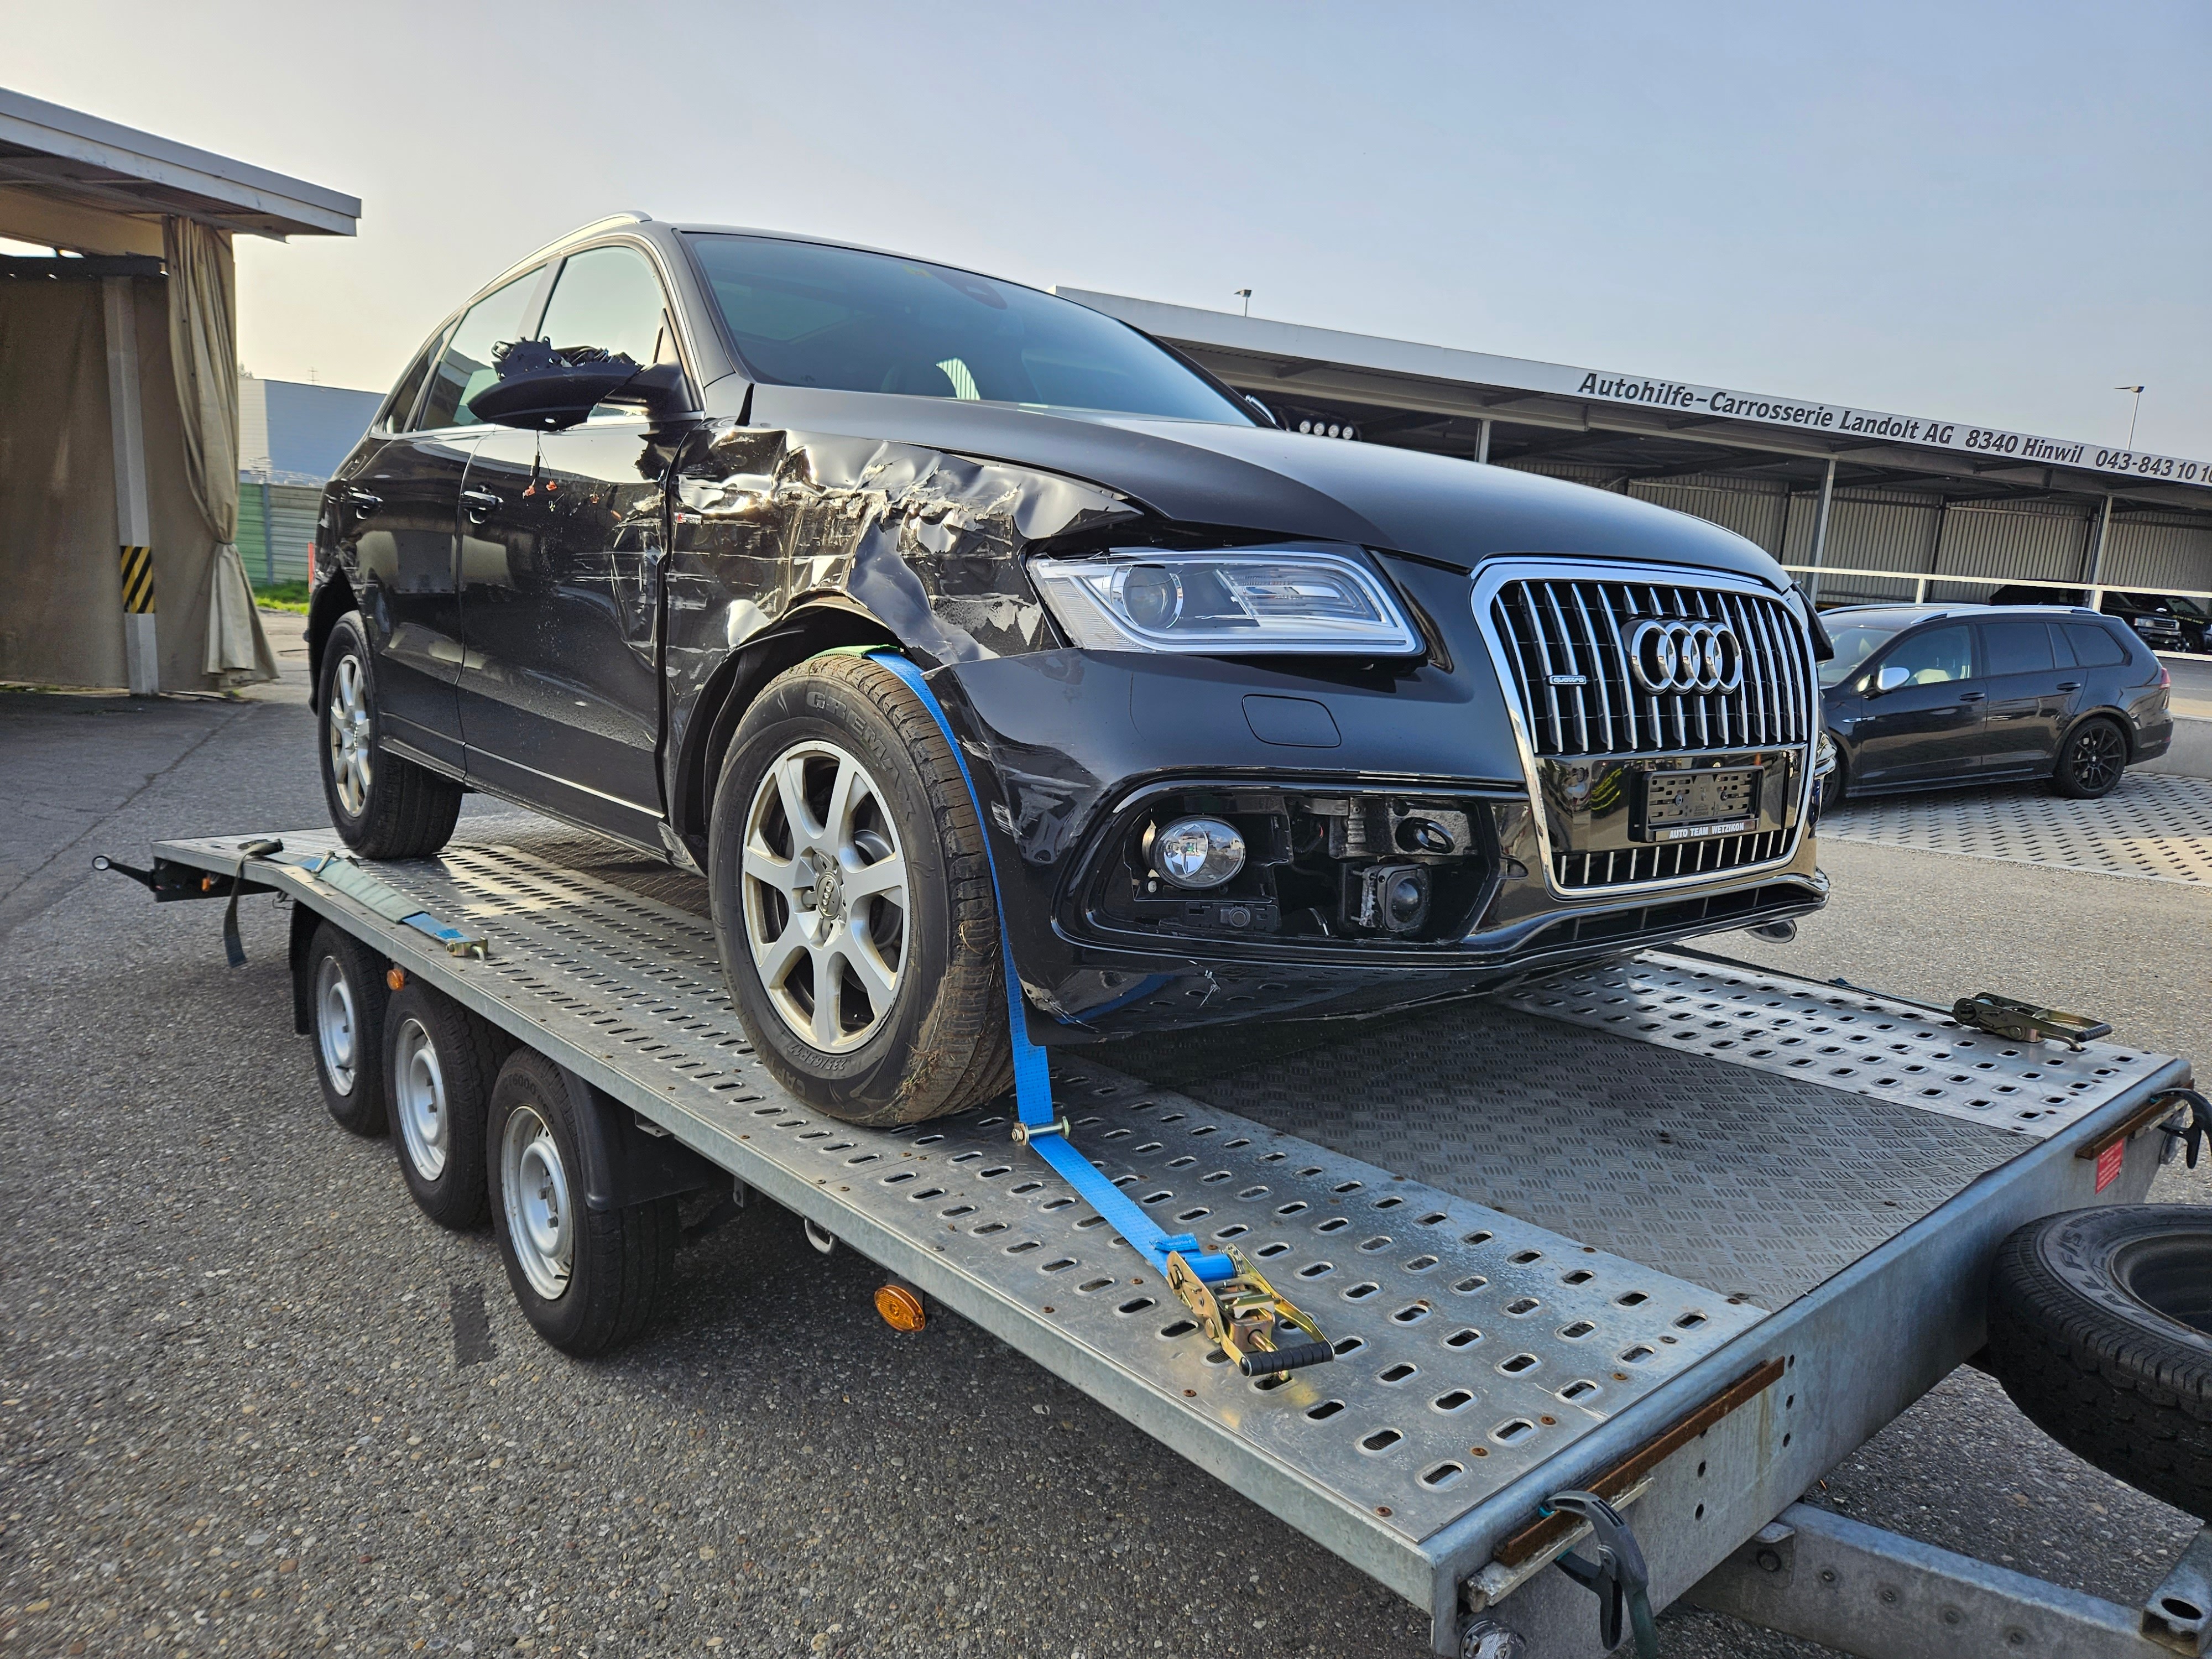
x=705 y=539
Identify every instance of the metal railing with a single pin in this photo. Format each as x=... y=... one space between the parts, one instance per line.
x=1920 y=579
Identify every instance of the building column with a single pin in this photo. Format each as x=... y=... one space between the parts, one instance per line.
x=133 y=524
x=1820 y=529
x=2097 y=556
x=1482 y=442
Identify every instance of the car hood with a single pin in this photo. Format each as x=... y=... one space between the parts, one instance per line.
x=1256 y=478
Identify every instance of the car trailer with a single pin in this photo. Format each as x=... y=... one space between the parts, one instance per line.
x=1614 y=1267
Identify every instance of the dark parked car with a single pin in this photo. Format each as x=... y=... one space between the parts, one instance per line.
x=1918 y=696
x=2163 y=622
x=1262 y=724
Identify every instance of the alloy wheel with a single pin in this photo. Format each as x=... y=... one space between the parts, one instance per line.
x=349 y=739
x=2097 y=756
x=824 y=881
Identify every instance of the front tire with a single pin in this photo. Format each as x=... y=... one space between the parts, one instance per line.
x=2091 y=761
x=587 y=1280
x=853 y=901
x=383 y=806
x=346 y=1000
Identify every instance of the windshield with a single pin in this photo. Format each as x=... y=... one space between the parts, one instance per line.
x=804 y=314
x=1855 y=642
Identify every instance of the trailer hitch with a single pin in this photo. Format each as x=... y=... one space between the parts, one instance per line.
x=1618 y=1578
x=1250 y=1318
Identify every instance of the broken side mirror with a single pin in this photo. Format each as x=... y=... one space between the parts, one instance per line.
x=543 y=389
x=1889 y=678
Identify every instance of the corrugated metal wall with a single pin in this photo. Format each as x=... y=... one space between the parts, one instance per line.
x=1977 y=546
x=281 y=557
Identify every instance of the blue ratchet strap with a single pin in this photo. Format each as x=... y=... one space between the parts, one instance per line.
x=1040 y=1130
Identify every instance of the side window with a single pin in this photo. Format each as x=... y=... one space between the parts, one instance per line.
x=610 y=297
x=2095 y=647
x=1935 y=656
x=466 y=368
x=2017 y=648
x=397 y=414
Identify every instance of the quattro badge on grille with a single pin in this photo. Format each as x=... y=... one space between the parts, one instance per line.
x=1671 y=654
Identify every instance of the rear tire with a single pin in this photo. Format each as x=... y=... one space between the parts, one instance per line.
x=440 y=1061
x=383 y=806
x=844 y=851
x=2092 y=760
x=346 y=996
x=588 y=1280
x=2100 y=1329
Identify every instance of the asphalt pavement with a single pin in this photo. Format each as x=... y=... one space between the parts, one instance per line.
x=250 y=1402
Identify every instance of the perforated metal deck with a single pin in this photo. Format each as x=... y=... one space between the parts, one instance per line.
x=1494 y=1309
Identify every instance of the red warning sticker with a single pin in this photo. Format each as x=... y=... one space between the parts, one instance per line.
x=2109 y=1162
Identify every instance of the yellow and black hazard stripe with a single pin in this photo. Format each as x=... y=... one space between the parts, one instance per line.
x=138 y=580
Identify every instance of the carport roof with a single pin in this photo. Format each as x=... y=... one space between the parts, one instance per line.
x=66 y=154
x=1431 y=397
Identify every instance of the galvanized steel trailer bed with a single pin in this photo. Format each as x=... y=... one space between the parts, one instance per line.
x=1663 y=1195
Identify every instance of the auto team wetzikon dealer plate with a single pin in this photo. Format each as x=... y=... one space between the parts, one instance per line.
x=1683 y=805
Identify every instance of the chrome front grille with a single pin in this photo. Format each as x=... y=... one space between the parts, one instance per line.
x=1563 y=640
x=1621 y=867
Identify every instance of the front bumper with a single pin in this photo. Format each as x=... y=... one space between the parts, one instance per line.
x=1064 y=745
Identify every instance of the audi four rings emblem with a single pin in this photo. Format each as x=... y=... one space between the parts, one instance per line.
x=1671 y=654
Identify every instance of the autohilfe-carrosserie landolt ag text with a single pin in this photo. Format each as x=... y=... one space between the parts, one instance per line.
x=1262 y=725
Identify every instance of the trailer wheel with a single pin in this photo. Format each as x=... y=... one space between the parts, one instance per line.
x=2100 y=1329
x=853 y=902
x=384 y=806
x=346 y=997
x=440 y=1063
x=587 y=1279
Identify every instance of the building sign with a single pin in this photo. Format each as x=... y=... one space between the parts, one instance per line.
x=1838 y=421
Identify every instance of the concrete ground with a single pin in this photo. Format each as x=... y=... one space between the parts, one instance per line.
x=251 y=1402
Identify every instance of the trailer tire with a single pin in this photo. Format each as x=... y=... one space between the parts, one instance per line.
x=440 y=1061
x=346 y=997
x=937 y=1043
x=2100 y=1329
x=383 y=806
x=587 y=1280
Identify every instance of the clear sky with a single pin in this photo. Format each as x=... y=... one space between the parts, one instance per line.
x=1985 y=212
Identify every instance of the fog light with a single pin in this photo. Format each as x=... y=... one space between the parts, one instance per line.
x=1197 y=852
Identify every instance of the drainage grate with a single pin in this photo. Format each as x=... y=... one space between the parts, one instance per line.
x=2151 y=826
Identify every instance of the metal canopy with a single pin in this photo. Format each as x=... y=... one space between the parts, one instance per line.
x=1479 y=406
x=67 y=155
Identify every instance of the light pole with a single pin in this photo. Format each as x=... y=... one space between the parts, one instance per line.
x=2132 y=413
x=1245 y=294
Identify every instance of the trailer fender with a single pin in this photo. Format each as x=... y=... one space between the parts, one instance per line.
x=624 y=1164
x=304 y=923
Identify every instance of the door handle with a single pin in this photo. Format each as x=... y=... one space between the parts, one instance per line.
x=1971 y=696
x=2070 y=685
x=478 y=503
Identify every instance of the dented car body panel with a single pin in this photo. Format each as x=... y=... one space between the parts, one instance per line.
x=624 y=588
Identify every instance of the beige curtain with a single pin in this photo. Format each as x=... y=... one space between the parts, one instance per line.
x=204 y=348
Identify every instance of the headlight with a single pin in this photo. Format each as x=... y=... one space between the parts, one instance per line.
x=1824 y=756
x=1231 y=603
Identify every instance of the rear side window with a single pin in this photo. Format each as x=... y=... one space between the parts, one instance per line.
x=1935 y=656
x=466 y=366
x=2095 y=647
x=2017 y=648
x=397 y=414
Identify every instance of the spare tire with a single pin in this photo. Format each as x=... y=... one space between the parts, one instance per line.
x=2100 y=1329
